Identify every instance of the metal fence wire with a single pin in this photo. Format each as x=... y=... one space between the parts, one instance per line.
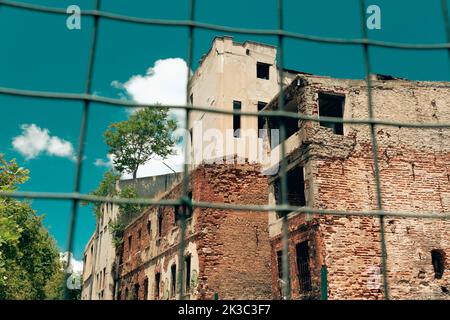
x=184 y=201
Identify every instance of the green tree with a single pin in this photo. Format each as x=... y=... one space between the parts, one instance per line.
x=54 y=288
x=127 y=212
x=28 y=255
x=106 y=188
x=146 y=134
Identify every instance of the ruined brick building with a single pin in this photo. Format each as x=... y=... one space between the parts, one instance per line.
x=237 y=254
x=227 y=252
x=330 y=166
x=99 y=280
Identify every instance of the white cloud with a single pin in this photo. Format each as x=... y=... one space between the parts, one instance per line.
x=60 y=148
x=155 y=167
x=152 y=167
x=76 y=266
x=34 y=141
x=102 y=163
x=164 y=83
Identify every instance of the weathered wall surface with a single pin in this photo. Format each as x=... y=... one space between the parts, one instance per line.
x=352 y=245
x=88 y=261
x=99 y=258
x=230 y=252
x=414 y=172
x=100 y=253
x=300 y=230
x=227 y=73
x=234 y=246
x=152 y=186
x=155 y=251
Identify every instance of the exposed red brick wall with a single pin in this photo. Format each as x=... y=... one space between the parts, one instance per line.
x=235 y=260
x=299 y=231
x=232 y=246
x=411 y=181
x=135 y=261
x=415 y=178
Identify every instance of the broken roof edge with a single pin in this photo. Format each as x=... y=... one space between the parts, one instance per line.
x=151 y=177
x=90 y=241
x=223 y=37
x=179 y=184
x=304 y=79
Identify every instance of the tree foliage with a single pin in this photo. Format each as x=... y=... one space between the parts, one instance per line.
x=106 y=188
x=127 y=212
x=146 y=134
x=54 y=288
x=28 y=255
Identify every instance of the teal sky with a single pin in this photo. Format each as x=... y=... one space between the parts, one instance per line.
x=38 y=52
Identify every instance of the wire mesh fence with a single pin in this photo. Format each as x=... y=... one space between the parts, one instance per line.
x=184 y=201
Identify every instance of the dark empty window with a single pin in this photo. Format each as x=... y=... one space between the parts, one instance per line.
x=237 y=119
x=438 y=260
x=332 y=106
x=191 y=136
x=290 y=124
x=280 y=264
x=145 y=288
x=304 y=273
x=261 y=120
x=187 y=262
x=139 y=236
x=173 y=273
x=295 y=188
x=177 y=214
x=188 y=210
x=149 y=227
x=160 y=222
x=157 y=285
x=130 y=241
x=136 y=291
x=262 y=70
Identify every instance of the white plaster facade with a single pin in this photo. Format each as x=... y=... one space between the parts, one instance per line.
x=228 y=73
x=99 y=255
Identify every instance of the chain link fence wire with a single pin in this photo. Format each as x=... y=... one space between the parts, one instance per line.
x=184 y=203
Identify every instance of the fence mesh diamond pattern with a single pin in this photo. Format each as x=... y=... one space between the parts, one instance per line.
x=184 y=201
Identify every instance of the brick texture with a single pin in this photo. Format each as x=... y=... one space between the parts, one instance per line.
x=230 y=249
x=414 y=169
